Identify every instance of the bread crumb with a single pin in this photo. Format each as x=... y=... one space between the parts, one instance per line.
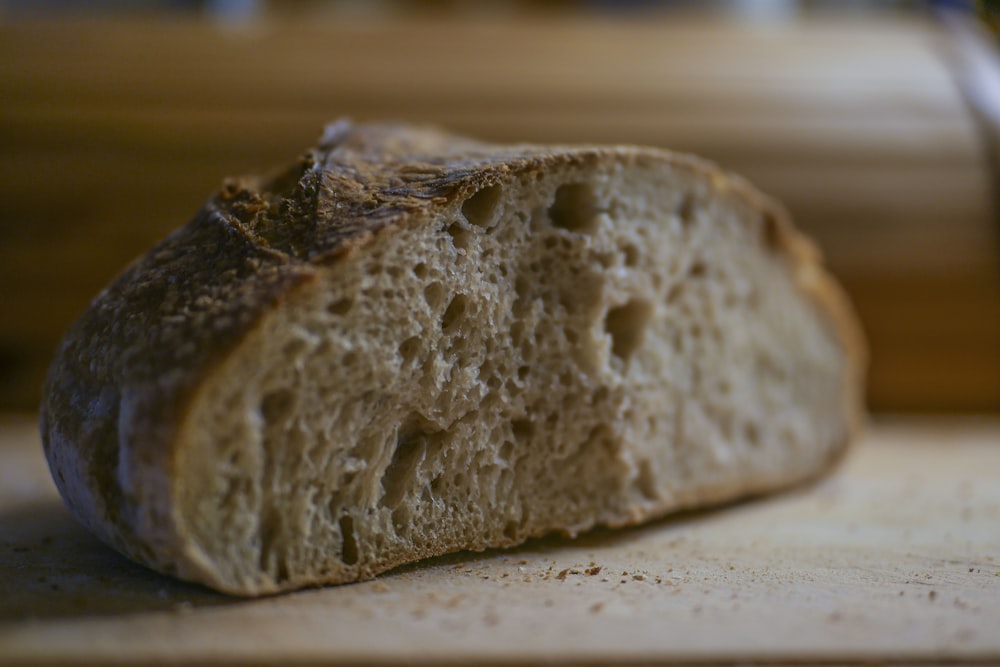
x=639 y=577
x=596 y=607
x=563 y=573
x=593 y=571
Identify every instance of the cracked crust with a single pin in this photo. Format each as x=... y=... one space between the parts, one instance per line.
x=125 y=373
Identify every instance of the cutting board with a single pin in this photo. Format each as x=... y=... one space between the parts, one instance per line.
x=893 y=558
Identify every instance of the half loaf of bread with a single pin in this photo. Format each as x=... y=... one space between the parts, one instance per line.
x=411 y=343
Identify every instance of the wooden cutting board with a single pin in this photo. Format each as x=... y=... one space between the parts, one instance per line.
x=894 y=558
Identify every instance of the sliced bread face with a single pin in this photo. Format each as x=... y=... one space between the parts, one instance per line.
x=459 y=346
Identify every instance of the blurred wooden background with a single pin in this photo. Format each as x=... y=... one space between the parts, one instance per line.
x=115 y=131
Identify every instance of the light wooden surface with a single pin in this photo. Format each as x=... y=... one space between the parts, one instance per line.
x=115 y=132
x=894 y=558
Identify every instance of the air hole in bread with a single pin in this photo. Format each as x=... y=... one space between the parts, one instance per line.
x=686 y=209
x=510 y=531
x=481 y=208
x=419 y=443
x=340 y=307
x=268 y=534
x=522 y=429
x=402 y=519
x=401 y=470
x=506 y=451
x=349 y=545
x=626 y=324
x=631 y=255
x=697 y=270
x=277 y=405
x=453 y=313
x=574 y=208
x=433 y=295
x=517 y=332
x=409 y=348
x=646 y=481
x=459 y=235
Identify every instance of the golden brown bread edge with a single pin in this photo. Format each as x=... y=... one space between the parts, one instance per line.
x=128 y=368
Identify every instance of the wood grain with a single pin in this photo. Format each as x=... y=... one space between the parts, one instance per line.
x=114 y=132
x=895 y=558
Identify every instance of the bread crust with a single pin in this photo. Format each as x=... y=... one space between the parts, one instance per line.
x=126 y=372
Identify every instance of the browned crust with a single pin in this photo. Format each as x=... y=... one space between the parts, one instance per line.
x=126 y=371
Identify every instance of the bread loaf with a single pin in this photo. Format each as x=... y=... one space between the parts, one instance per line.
x=411 y=343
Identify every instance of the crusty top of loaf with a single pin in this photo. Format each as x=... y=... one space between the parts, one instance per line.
x=127 y=369
x=362 y=178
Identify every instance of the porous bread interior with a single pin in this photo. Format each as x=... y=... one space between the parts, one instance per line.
x=579 y=347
